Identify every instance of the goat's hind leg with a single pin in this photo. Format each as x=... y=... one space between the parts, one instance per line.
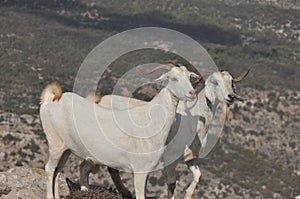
x=59 y=168
x=193 y=165
x=115 y=176
x=57 y=159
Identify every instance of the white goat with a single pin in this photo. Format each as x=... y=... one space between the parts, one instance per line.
x=74 y=125
x=194 y=120
x=218 y=90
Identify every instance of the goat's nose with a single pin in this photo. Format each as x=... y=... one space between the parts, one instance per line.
x=192 y=93
x=231 y=96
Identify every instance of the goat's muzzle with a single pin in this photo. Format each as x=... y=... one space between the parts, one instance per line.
x=191 y=96
x=237 y=97
x=232 y=97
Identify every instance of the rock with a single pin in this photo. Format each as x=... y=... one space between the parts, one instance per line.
x=21 y=182
x=277 y=196
x=28 y=118
x=2 y=156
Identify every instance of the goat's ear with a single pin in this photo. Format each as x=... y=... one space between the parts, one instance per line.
x=210 y=88
x=210 y=92
x=163 y=77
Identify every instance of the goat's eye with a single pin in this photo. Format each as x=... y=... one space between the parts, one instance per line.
x=174 y=79
x=233 y=87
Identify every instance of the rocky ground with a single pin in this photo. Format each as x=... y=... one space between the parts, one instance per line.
x=23 y=182
x=286 y=4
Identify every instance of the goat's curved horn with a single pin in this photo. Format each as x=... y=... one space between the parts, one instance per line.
x=197 y=81
x=163 y=66
x=241 y=77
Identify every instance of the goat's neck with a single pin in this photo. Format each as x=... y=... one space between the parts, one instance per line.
x=208 y=106
x=166 y=99
x=169 y=101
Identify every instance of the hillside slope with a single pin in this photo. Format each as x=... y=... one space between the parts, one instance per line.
x=257 y=155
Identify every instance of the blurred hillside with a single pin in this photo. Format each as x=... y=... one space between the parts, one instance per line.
x=258 y=153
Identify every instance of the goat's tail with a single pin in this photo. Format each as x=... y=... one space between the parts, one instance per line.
x=52 y=92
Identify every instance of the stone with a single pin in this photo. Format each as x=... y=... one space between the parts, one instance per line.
x=2 y=156
x=28 y=118
x=22 y=182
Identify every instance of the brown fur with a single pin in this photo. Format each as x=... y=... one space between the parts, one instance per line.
x=197 y=81
x=53 y=88
x=94 y=98
x=97 y=99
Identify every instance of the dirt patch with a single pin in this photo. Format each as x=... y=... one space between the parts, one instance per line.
x=93 y=194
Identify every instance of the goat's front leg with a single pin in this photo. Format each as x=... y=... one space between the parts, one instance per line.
x=115 y=176
x=140 y=180
x=194 y=167
x=170 y=174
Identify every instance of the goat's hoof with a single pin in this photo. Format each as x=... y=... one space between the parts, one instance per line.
x=84 y=188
